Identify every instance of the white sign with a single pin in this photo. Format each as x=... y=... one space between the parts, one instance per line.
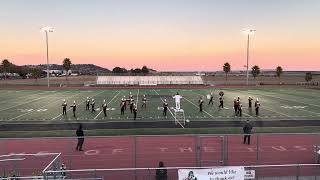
x=219 y=173
x=250 y=174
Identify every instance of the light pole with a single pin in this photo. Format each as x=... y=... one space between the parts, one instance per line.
x=47 y=30
x=248 y=32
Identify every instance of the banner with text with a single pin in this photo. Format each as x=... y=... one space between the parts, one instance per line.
x=218 y=173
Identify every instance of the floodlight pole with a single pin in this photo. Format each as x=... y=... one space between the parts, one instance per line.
x=48 y=77
x=248 y=43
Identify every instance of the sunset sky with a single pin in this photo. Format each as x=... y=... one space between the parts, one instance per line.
x=166 y=35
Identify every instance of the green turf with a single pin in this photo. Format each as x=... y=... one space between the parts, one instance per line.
x=45 y=106
x=155 y=131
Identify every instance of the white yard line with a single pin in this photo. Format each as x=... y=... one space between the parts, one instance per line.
x=197 y=107
x=137 y=98
x=168 y=108
x=26 y=102
x=286 y=99
x=41 y=107
x=276 y=112
x=290 y=101
x=108 y=104
x=77 y=105
x=264 y=107
x=30 y=95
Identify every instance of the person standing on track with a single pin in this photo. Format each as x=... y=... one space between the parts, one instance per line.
x=104 y=107
x=161 y=173
x=250 y=101
x=74 y=108
x=247 y=129
x=257 y=106
x=135 y=111
x=80 y=136
x=88 y=104
x=177 y=98
x=144 y=102
x=165 y=108
x=200 y=102
x=92 y=105
x=64 y=107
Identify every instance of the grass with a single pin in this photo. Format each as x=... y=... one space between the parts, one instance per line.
x=45 y=106
x=155 y=131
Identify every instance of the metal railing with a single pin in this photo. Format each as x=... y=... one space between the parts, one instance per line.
x=109 y=152
x=285 y=171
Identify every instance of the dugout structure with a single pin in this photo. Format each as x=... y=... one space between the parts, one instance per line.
x=149 y=80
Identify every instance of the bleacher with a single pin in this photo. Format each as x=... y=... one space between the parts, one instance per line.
x=149 y=80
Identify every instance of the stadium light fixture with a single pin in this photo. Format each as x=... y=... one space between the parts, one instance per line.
x=47 y=30
x=248 y=32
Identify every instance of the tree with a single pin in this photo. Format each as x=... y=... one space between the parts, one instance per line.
x=255 y=71
x=36 y=73
x=6 y=65
x=136 y=71
x=308 y=76
x=67 y=66
x=145 y=70
x=279 y=71
x=226 y=69
x=119 y=70
x=116 y=70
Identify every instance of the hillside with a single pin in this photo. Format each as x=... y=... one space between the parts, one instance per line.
x=84 y=69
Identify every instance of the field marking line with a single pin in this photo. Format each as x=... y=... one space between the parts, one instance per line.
x=288 y=99
x=42 y=107
x=107 y=104
x=265 y=107
x=197 y=107
x=16 y=159
x=27 y=102
x=36 y=94
x=137 y=98
x=77 y=105
x=291 y=101
x=168 y=108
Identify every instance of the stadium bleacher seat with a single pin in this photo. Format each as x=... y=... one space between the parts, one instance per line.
x=149 y=80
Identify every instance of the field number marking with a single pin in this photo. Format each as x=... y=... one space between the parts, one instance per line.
x=294 y=107
x=32 y=110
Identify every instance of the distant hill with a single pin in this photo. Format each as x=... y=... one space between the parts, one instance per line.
x=87 y=69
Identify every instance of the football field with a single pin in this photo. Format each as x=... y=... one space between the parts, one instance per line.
x=42 y=106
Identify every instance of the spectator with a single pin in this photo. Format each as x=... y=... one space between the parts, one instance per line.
x=161 y=173
x=80 y=136
x=247 y=128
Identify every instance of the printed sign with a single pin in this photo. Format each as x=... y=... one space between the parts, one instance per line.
x=250 y=174
x=219 y=173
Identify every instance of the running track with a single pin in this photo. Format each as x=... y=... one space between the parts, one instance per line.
x=181 y=151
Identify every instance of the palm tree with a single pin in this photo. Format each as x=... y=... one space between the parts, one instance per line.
x=226 y=69
x=6 y=65
x=67 y=66
x=255 y=71
x=279 y=71
x=308 y=76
